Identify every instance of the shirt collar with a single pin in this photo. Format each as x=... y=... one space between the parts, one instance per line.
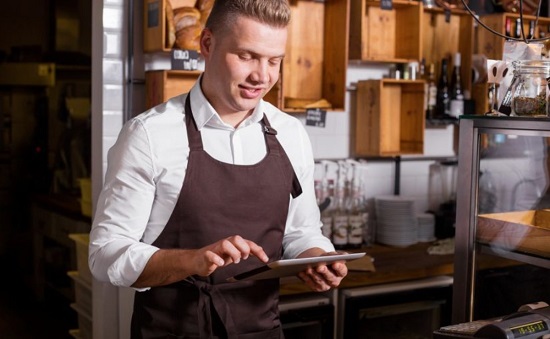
x=205 y=115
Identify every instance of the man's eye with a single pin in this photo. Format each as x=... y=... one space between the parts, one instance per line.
x=275 y=62
x=245 y=56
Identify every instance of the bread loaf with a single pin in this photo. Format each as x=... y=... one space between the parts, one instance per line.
x=186 y=16
x=170 y=26
x=204 y=7
x=189 y=37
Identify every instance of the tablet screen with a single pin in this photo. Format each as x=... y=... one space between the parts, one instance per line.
x=289 y=267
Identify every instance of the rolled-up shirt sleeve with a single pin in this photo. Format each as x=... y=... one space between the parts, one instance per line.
x=116 y=254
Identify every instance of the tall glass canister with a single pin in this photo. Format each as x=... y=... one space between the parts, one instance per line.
x=530 y=88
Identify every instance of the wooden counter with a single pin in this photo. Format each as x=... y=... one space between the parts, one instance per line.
x=395 y=264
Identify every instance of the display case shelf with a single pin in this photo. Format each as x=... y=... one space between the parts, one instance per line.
x=499 y=215
x=518 y=256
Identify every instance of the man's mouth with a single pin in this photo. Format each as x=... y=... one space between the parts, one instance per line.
x=250 y=92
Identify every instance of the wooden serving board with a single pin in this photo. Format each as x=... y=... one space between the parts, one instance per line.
x=524 y=231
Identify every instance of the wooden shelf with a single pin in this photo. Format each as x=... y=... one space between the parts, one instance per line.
x=491 y=45
x=378 y=34
x=389 y=118
x=165 y=84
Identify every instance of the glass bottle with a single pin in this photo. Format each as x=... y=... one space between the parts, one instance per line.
x=326 y=214
x=443 y=98
x=340 y=221
x=531 y=30
x=431 y=93
x=517 y=32
x=508 y=27
x=457 y=94
x=356 y=210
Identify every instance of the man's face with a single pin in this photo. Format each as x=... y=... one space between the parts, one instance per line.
x=241 y=64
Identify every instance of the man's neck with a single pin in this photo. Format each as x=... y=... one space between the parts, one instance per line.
x=235 y=119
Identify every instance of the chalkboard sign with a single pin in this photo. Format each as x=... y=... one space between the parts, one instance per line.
x=183 y=59
x=386 y=4
x=316 y=117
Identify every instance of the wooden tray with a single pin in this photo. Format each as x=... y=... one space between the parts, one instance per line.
x=523 y=231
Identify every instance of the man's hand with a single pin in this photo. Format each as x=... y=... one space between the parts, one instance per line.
x=224 y=252
x=323 y=277
x=167 y=266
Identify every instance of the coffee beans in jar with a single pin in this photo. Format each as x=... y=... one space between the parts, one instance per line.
x=530 y=88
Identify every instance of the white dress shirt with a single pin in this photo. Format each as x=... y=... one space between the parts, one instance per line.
x=146 y=169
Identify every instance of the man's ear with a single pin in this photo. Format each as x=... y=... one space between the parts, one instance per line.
x=206 y=41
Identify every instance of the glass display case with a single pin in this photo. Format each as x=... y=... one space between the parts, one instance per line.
x=503 y=216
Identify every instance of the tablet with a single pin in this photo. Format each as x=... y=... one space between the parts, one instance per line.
x=289 y=267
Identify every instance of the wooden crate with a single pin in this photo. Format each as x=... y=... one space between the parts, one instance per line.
x=446 y=35
x=163 y=85
x=492 y=45
x=524 y=231
x=155 y=35
x=385 y=35
x=316 y=58
x=389 y=118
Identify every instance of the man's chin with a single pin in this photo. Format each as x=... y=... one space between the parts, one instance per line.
x=248 y=104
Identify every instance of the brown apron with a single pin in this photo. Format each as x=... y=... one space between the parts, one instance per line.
x=218 y=200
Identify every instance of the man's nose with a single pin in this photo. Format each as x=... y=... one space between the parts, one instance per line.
x=261 y=72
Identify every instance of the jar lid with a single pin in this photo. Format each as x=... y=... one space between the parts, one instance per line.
x=532 y=66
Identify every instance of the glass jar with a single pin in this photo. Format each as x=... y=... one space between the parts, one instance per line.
x=530 y=88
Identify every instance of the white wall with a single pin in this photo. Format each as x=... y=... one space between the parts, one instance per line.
x=108 y=56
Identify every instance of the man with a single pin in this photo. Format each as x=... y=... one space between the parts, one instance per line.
x=209 y=185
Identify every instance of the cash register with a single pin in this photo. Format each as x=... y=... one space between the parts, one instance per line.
x=532 y=321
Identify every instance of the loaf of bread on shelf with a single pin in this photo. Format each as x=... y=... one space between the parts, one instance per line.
x=185 y=17
x=170 y=25
x=204 y=7
x=189 y=37
x=187 y=28
x=185 y=23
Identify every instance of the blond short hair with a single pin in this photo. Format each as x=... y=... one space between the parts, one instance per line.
x=274 y=13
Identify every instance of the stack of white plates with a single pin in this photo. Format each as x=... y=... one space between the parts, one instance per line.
x=426 y=227
x=396 y=221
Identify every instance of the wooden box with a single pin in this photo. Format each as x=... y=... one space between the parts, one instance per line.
x=492 y=45
x=446 y=35
x=523 y=231
x=385 y=35
x=315 y=65
x=155 y=32
x=163 y=85
x=389 y=118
